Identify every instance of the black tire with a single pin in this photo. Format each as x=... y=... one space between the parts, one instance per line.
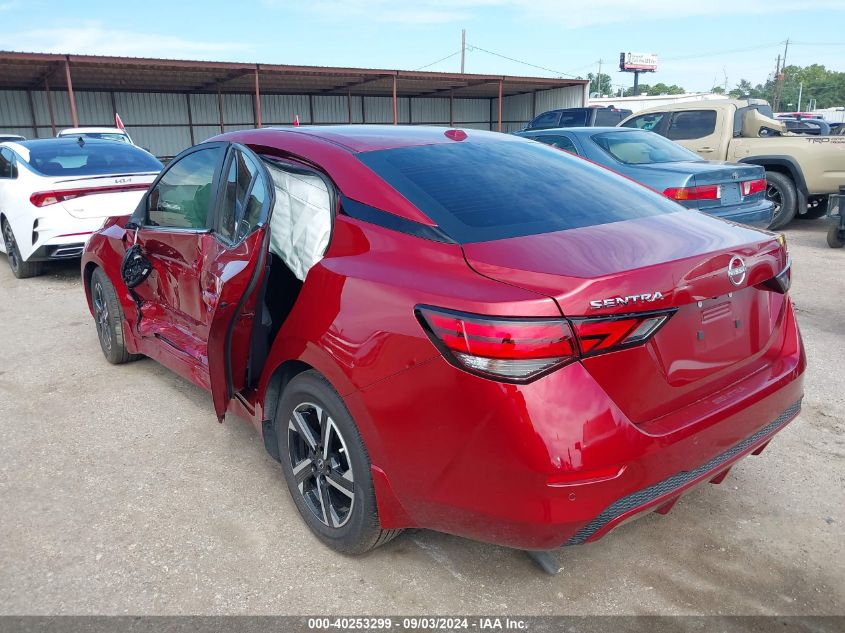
x=108 y=319
x=20 y=268
x=780 y=190
x=834 y=237
x=814 y=213
x=344 y=516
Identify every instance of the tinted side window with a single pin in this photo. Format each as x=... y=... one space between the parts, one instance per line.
x=646 y=121
x=608 y=118
x=243 y=197
x=6 y=162
x=573 y=119
x=549 y=119
x=692 y=124
x=560 y=142
x=183 y=195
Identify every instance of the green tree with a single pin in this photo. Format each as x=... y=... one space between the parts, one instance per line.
x=605 y=88
x=655 y=90
x=827 y=87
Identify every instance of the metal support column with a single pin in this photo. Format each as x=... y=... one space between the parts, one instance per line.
x=220 y=110
x=349 y=105
x=32 y=113
x=114 y=105
x=395 y=105
x=451 y=108
x=500 y=105
x=190 y=118
x=311 y=109
x=70 y=96
x=257 y=98
x=50 y=105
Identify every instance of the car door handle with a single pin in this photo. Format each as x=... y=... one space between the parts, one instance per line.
x=707 y=150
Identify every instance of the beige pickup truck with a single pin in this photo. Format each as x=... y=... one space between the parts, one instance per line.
x=801 y=171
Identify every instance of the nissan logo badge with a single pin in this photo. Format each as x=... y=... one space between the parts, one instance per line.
x=736 y=270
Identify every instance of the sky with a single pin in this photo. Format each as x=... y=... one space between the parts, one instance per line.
x=700 y=43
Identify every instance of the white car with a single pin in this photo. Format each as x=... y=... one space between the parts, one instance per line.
x=102 y=133
x=55 y=192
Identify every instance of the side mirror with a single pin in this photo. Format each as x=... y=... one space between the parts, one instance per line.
x=140 y=215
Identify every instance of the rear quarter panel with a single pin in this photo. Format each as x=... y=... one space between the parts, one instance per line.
x=354 y=319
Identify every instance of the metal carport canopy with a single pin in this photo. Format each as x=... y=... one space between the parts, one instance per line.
x=23 y=71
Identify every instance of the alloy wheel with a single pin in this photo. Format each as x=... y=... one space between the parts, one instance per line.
x=101 y=315
x=321 y=464
x=11 y=246
x=774 y=196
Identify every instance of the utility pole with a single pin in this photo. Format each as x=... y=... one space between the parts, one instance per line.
x=463 y=48
x=598 y=80
x=776 y=95
x=800 y=94
x=780 y=77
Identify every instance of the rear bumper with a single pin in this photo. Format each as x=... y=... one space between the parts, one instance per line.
x=59 y=248
x=756 y=214
x=668 y=490
x=63 y=240
x=555 y=462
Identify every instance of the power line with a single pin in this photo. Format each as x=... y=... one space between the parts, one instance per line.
x=725 y=52
x=817 y=43
x=443 y=59
x=519 y=61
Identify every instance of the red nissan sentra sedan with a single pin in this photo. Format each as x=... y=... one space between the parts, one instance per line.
x=462 y=331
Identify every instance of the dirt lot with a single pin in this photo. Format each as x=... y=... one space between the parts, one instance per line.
x=120 y=493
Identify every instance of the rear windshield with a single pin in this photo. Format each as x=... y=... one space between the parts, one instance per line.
x=492 y=190
x=643 y=148
x=90 y=159
x=103 y=136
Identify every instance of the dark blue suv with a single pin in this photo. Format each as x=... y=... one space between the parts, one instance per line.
x=578 y=117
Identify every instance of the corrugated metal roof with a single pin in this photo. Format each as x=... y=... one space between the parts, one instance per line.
x=23 y=71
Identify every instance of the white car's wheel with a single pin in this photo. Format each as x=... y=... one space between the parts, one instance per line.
x=20 y=268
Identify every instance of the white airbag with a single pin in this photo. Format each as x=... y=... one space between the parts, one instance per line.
x=301 y=221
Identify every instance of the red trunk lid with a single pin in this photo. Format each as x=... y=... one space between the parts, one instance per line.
x=722 y=330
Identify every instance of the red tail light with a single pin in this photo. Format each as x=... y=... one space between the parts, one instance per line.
x=702 y=192
x=750 y=187
x=512 y=349
x=606 y=334
x=520 y=350
x=46 y=198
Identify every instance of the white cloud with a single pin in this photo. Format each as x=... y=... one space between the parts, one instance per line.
x=94 y=39
x=420 y=12
x=597 y=12
x=573 y=14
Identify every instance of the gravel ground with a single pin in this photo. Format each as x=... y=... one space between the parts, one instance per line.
x=120 y=493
